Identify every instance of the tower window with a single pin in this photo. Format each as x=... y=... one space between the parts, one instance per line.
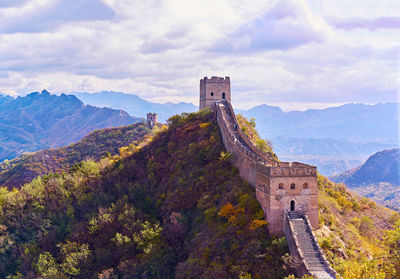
x=280 y=186
x=223 y=95
x=292 y=186
x=212 y=93
x=305 y=186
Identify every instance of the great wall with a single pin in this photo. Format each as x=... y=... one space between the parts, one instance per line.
x=287 y=192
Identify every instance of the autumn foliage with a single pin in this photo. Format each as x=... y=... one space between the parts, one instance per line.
x=172 y=207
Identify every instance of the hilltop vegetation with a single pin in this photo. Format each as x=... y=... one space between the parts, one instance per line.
x=249 y=129
x=175 y=207
x=356 y=234
x=100 y=143
x=42 y=120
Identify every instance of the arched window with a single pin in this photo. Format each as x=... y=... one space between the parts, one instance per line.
x=280 y=186
x=292 y=206
x=292 y=186
x=212 y=93
x=223 y=95
x=305 y=186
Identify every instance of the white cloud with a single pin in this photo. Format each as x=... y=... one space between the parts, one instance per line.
x=286 y=25
x=44 y=15
x=280 y=51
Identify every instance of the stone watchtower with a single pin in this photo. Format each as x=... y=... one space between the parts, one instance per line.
x=151 y=119
x=280 y=186
x=214 y=89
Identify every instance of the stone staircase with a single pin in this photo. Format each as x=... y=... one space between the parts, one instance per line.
x=308 y=248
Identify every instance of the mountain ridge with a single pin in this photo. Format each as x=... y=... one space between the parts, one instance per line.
x=134 y=105
x=383 y=166
x=41 y=120
x=350 y=122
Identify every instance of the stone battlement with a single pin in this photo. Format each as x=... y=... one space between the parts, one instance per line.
x=281 y=187
x=215 y=79
x=293 y=170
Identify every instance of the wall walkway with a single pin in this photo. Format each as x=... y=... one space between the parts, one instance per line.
x=256 y=167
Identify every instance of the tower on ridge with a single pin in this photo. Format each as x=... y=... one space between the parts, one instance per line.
x=151 y=119
x=213 y=90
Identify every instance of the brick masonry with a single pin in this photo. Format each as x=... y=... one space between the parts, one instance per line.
x=281 y=187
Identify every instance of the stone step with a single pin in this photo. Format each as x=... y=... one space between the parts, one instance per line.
x=308 y=247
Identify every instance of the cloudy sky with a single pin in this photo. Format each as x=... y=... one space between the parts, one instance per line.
x=293 y=53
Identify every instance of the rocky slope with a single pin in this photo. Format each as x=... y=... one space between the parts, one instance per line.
x=42 y=120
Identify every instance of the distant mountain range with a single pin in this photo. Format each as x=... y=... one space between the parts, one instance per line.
x=383 y=166
x=330 y=155
x=134 y=105
x=350 y=123
x=334 y=139
x=41 y=120
x=357 y=123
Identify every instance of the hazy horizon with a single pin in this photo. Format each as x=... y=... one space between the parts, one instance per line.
x=285 y=107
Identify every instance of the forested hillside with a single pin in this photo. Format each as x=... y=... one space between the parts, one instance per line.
x=42 y=120
x=356 y=234
x=174 y=207
x=100 y=143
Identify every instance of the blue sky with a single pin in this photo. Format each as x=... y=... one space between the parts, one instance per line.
x=293 y=53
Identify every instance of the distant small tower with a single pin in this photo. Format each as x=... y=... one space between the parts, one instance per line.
x=151 y=119
x=214 y=89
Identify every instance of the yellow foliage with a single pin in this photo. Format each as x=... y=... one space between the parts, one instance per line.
x=255 y=224
x=370 y=269
x=205 y=125
x=230 y=212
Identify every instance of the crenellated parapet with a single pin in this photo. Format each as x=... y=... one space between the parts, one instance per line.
x=281 y=187
x=215 y=79
x=288 y=169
